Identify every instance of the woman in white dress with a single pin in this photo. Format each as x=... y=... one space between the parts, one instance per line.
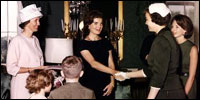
x=24 y=52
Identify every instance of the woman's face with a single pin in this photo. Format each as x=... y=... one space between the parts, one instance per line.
x=149 y=23
x=177 y=30
x=96 y=26
x=34 y=23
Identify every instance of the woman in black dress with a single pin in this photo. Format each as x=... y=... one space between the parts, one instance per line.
x=96 y=53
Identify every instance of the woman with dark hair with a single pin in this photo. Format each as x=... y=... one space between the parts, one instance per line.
x=96 y=53
x=182 y=29
x=163 y=58
x=24 y=52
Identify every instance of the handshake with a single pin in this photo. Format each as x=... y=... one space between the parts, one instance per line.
x=121 y=76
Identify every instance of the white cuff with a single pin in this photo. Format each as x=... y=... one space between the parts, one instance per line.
x=123 y=74
x=143 y=73
x=155 y=88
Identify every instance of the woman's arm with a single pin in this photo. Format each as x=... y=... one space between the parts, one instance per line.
x=111 y=65
x=136 y=74
x=95 y=64
x=153 y=93
x=192 y=68
x=110 y=86
x=121 y=76
x=29 y=69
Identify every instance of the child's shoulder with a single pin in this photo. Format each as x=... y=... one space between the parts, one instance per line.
x=86 y=89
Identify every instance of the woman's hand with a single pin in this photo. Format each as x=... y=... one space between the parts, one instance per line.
x=34 y=68
x=121 y=76
x=108 y=89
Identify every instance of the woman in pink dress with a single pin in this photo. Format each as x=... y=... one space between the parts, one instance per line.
x=24 y=52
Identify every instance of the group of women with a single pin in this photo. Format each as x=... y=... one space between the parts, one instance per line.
x=25 y=55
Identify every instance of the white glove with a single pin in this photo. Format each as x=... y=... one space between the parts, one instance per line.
x=121 y=76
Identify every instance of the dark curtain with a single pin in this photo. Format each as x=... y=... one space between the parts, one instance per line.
x=43 y=4
x=134 y=34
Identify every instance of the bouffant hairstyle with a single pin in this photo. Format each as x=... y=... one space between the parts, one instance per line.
x=22 y=25
x=158 y=19
x=38 y=79
x=72 y=66
x=185 y=23
x=88 y=19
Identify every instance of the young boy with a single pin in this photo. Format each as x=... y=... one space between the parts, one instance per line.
x=38 y=83
x=72 y=70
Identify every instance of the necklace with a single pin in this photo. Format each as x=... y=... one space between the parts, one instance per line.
x=95 y=39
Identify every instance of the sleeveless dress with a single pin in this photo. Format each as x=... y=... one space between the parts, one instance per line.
x=92 y=78
x=185 y=51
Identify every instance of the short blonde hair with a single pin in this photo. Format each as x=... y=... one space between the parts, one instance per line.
x=38 y=79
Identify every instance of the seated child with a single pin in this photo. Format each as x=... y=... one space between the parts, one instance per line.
x=72 y=70
x=38 y=83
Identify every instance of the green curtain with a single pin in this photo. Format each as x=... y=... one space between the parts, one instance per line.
x=134 y=33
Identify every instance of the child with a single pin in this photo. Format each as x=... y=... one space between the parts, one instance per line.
x=72 y=71
x=38 y=83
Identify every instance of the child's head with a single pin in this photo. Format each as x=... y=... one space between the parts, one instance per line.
x=72 y=67
x=39 y=79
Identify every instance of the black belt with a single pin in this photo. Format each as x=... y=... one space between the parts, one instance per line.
x=184 y=74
